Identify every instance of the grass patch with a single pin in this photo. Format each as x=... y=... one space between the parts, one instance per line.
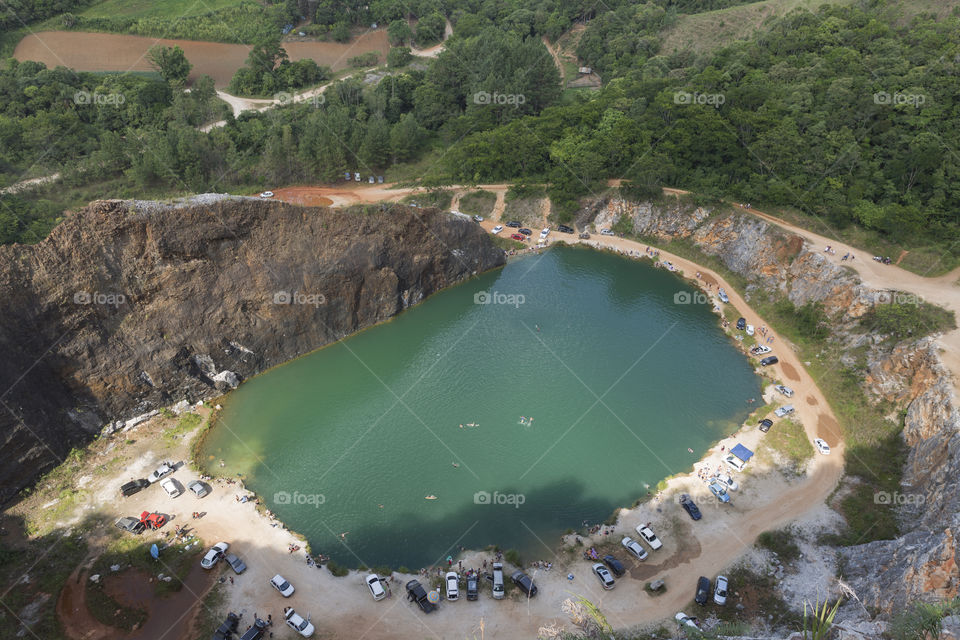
x=211 y=611
x=712 y=30
x=906 y=318
x=507 y=244
x=789 y=441
x=478 y=203
x=168 y=9
x=524 y=203
x=48 y=562
x=439 y=198
x=134 y=552
x=337 y=570
x=187 y=423
x=780 y=542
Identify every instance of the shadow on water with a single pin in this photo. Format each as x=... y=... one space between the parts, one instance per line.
x=415 y=541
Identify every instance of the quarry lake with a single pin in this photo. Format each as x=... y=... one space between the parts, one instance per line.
x=613 y=379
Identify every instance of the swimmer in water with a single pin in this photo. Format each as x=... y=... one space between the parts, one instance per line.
x=455 y=465
x=689 y=449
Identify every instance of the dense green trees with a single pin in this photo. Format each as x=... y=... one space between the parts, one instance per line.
x=847 y=114
x=268 y=70
x=171 y=63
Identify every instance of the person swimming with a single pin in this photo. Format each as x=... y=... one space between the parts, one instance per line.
x=455 y=465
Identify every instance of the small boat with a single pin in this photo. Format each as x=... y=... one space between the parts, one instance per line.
x=430 y=497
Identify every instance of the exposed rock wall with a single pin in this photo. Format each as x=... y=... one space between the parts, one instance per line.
x=130 y=306
x=923 y=562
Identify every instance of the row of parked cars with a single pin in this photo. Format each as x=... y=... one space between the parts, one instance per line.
x=720 y=590
x=153 y=520
x=417 y=593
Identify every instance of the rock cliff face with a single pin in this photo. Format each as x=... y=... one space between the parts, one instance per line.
x=131 y=306
x=769 y=258
x=923 y=562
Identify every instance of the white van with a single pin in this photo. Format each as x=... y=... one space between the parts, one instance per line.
x=735 y=462
x=497 y=580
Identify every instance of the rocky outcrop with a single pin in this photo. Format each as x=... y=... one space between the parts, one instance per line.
x=923 y=562
x=130 y=306
x=770 y=259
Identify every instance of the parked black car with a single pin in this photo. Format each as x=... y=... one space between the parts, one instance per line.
x=514 y=224
x=134 y=486
x=765 y=424
x=742 y=324
x=417 y=593
x=525 y=583
x=703 y=591
x=473 y=588
x=257 y=631
x=526 y=232
x=691 y=508
x=131 y=524
x=769 y=360
x=564 y=229
x=615 y=565
x=226 y=630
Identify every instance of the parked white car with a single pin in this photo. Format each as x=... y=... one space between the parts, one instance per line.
x=750 y=330
x=544 y=233
x=606 y=232
x=376 y=589
x=685 y=620
x=296 y=622
x=160 y=472
x=634 y=548
x=213 y=556
x=280 y=584
x=729 y=483
x=171 y=487
x=498 y=228
x=453 y=591
x=266 y=194
x=647 y=534
x=822 y=446
x=720 y=590
x=760 y=349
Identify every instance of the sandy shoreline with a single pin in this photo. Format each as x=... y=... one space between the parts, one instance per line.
x=707 y=546
x=342 y=607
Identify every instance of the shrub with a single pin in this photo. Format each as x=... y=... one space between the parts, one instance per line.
x=780 y=542
x=904 y=320
x=337 y=570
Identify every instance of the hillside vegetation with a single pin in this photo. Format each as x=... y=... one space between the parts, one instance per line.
x=844 y=115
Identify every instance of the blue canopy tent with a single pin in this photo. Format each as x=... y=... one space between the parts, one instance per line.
x=742 y=452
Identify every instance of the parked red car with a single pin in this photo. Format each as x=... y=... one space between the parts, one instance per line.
x=517 y=236
x=153 y=520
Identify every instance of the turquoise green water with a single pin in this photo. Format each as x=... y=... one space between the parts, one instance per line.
x=618 y=379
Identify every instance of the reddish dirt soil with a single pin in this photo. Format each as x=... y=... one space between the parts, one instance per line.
x=170 y=617
x=118 y=52
x=72 y=611
x=306 y=196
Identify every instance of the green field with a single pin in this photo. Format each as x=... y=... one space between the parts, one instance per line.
x=171 y=9
x=714 y=29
